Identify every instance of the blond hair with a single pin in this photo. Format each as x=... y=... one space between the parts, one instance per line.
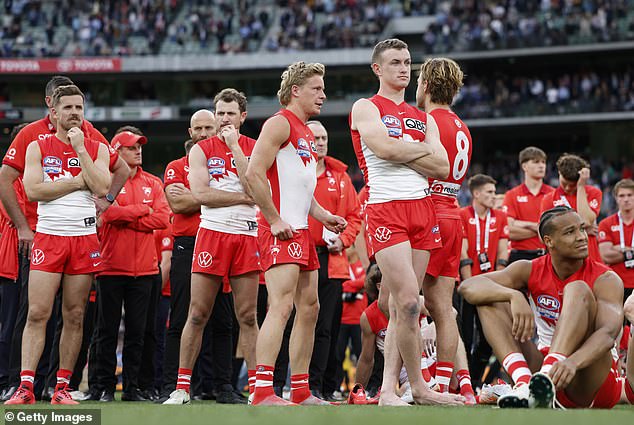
x=296 y=75
x=444 y=79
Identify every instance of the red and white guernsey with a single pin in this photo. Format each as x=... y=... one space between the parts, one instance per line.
x=378 y=324
x=72 y=214
x=223 y=175
x=455 y=137
x=546 y=291
x=389 y=181
x=293 y=175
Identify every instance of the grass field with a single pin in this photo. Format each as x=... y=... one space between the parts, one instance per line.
x=207 y=413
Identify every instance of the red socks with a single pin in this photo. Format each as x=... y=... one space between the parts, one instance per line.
x=63 y=379
x=516 y=366
x=251 y=375
x=263 y=383
x=26 y=379
x=184 y=379
x=300 y=389
x=443 y=375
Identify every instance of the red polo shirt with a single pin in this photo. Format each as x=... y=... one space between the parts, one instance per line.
x=609 y=232
x=521 y=204
x=178 y=172
x=498 y=229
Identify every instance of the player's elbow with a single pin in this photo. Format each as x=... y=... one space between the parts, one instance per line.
x=466 y=290
x=251 y=176
x=31 y=193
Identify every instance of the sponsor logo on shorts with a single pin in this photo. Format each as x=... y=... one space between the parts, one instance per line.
x=415 y=124
x=295 y=250
x=204 y=259
x=95 y=254
x=52 y=165
x=37 y=257
x=74 y=163
x=382 y=234
x=435 y=229
x=216 y=167
x=548 y=302
x=275 y=249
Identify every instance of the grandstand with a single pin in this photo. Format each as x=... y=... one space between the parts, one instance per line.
x=557 y=75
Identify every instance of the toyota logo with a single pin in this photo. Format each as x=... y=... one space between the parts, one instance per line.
x=295 y=250
x=204 y=259
x=382 y=234
x=37 y=257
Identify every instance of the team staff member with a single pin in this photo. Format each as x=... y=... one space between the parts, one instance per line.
x=128 y=269
x=282 y=177
x=616 y=235
x=164 y=245
x=522 y=204
x=334 y=191
x=485 y=248
x=60 y=173
x=226 y=243
x=438 y=84
x=574 y=192
x=24 y=219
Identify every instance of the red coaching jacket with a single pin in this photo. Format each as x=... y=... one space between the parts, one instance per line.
x=127 y=227
x=335 y=192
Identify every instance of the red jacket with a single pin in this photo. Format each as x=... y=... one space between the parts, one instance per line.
x=335 y=192
x=127 y=227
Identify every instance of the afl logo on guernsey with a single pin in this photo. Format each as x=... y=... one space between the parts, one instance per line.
x=548 y=302
x=216 y=167
x=393 y=125
x=52 y=165
x=303 y=148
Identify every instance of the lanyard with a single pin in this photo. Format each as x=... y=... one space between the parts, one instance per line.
x=487 y=227
x=622 y=233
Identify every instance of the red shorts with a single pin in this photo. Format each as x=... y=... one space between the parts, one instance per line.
x=607 y=397
x=8 y=250
x=66 y=254
x=298 y=250
x=393 y=222
x=445 y=261
x=225 y=254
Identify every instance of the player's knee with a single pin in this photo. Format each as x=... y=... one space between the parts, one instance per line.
x=246 y=317
x=310 y=309
x=580 y=292
x=37 y=315
x=282 y=307
x=410 y=308
x=74 y=317
x=198 y=317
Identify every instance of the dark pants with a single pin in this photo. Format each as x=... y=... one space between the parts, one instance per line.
x=9 y=303
x=348 y=335
x=146 y=373
x=180 y=282
x=15 y=358
x=263 y=297
x=162 y=314
x=214 y=365
x=478 y=349
x=323 y=364
x=90 y=318
x=134 y=294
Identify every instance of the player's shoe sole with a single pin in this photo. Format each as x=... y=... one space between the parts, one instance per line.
x=542 y=391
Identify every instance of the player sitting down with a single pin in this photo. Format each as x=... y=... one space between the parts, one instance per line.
x=576 y=304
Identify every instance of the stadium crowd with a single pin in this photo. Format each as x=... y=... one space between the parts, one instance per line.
x=470 y=25
x=262 y=254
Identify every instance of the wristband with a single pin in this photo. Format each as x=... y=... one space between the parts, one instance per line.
x=466 y=262
x=502 y=262
x=109 y=197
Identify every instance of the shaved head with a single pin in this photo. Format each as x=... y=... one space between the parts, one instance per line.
x=202 y=125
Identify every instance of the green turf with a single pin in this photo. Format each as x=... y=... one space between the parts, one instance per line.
x=208 y=413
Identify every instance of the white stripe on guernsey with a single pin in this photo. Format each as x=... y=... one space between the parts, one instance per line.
x=263 y=383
